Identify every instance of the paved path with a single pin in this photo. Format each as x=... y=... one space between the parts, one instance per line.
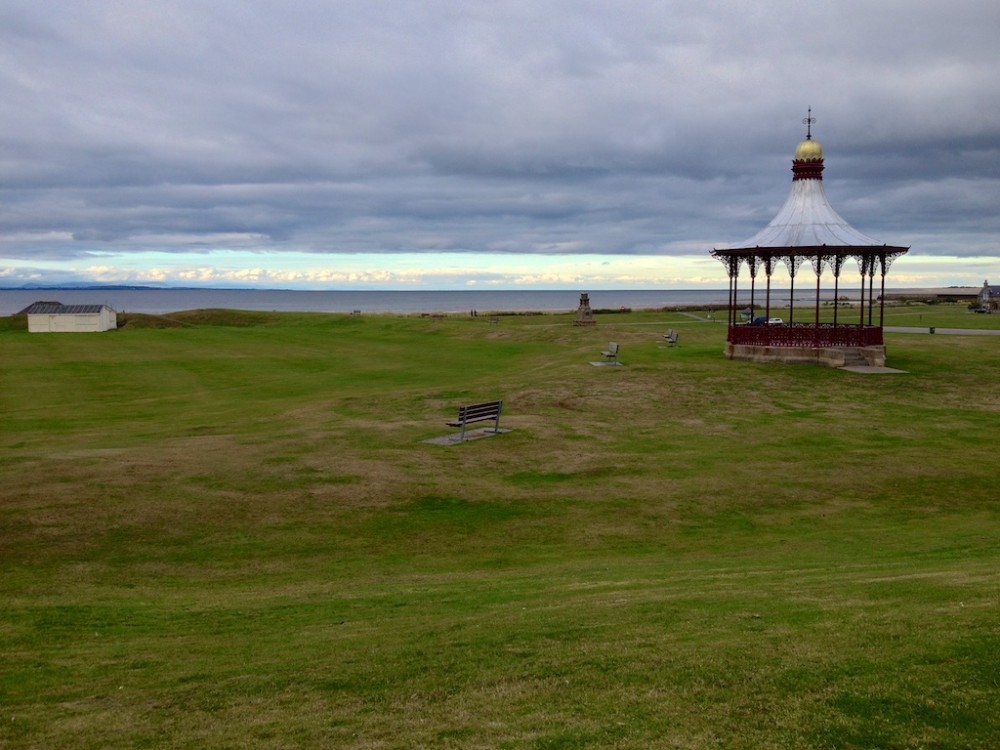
x=953 y=331
x=696 y=317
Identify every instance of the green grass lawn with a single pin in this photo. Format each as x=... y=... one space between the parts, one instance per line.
x=225 y=531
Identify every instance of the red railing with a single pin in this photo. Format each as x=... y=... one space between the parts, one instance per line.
x=806 y=335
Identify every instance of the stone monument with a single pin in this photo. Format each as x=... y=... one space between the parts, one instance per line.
x=584 y=315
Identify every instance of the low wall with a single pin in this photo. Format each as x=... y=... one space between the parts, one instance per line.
x=873 y=356
x=806 y=335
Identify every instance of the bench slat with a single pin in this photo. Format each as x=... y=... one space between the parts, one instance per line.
x=489 y=410
x=479 y=410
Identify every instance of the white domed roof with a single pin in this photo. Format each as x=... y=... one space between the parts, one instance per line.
x=807 y=220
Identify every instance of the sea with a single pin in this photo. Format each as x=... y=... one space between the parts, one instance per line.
x=158 y=301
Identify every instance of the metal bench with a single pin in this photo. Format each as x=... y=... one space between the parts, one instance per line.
x=612 y=353
x=671 y=337
x=484 y=412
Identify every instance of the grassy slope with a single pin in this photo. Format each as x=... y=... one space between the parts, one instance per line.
x=233 y=536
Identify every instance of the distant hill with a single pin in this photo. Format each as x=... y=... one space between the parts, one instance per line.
x=75 y=286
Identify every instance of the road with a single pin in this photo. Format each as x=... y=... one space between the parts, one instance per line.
x=953 y=331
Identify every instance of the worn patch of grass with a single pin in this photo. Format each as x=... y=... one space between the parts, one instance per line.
x=230 y=533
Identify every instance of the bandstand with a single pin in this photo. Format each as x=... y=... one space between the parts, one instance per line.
x=808 y=234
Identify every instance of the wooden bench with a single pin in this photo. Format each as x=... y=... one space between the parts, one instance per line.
x=671 y=337
x=484 y=412
x=612 y=353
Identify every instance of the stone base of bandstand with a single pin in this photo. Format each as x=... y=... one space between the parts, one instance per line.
x=827 y=356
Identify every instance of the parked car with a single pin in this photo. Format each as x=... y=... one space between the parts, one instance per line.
x=775 y=322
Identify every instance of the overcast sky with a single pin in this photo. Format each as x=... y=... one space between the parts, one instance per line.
x=504 y=144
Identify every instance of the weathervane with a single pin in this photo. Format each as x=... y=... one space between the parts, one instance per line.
x=808 y=121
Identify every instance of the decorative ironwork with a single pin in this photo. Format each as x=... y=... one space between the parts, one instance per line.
x=806 y=335
x=819 y=260
x=731 y=262
x=837 y=263
x=888 y=258
x=866 y=261
x=792 y=262
x=808 y=122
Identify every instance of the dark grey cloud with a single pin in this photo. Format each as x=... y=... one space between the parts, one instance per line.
x=546 y=126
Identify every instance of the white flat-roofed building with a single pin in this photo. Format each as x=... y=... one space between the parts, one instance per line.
x=55 y=317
